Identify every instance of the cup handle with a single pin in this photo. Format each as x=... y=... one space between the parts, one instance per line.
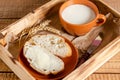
x=101 y=20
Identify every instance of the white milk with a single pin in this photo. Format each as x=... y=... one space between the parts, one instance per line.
x=78 y=14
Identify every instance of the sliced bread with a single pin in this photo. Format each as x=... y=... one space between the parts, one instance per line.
x=44 y=53
x=53 y=43
x=42 y=60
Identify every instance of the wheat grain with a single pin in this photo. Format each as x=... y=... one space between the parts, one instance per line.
x=44 y=26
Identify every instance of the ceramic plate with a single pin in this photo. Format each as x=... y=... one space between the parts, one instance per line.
x=70 y=64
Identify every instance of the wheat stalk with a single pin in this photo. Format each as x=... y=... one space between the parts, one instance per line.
x=44 y=26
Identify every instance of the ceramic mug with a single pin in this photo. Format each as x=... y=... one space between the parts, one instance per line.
x=81 y=29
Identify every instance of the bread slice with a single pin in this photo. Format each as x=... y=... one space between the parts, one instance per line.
x=42 y=60
x=54 y=44
x=43 y=52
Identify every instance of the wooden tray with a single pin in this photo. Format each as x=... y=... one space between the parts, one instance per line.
x=109 y=47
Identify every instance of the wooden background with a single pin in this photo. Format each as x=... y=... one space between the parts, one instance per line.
x=12 y=10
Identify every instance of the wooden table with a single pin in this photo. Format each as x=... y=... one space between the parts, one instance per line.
x=11 y=11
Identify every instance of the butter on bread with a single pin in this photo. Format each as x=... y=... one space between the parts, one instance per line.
x=43 y=52
x=42 y=60
x=53 y=43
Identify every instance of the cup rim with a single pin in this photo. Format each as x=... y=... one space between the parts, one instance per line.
x=65 y=3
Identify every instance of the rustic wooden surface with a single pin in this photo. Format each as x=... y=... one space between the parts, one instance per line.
x=12 y=10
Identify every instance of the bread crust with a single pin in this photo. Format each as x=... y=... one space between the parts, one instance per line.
x=39 y=40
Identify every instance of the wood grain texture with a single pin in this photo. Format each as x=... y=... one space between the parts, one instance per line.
x=104 y=77
x=114 y=3
x=8 y=76
x=110 y=67
x=3 y=67
x=12 y=76
x=6 y=22
x=24 y=7
x=18 y=8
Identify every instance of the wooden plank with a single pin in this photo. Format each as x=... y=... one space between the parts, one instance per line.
x=113 y=3
x=18 y=8
x=3 y=24
x=14 y=65
x=6 y=22
x=116 y=57
x=14 y=50
x=95 y=62
x=3 y=67
x=12 y=76
x=104 y=77
x=110 y=67
x=8 y=76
